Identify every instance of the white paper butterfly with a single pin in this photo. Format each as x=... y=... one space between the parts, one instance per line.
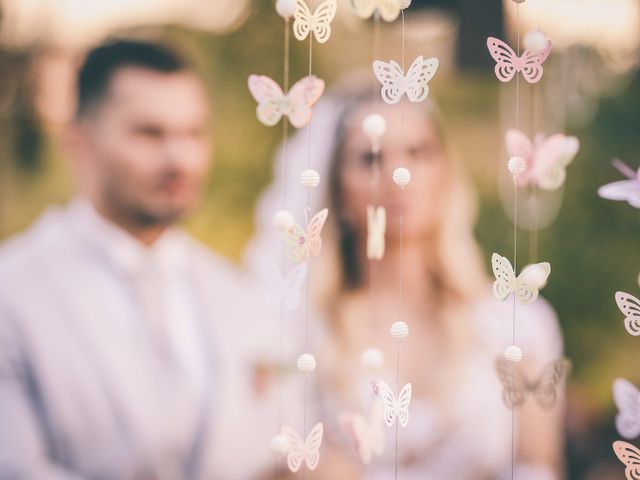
x=627 y=398
x=388 y=9
x=525 y=287
x=376 y=227
x=300 y=452
x=318 y=22
x=630 y=456
x=630 y=308
x=546 y=158
x=623 y=190
x=367 y=434
x=283 y=288
x=517 y=388
x=302 y=244
x=415 y=84
x=297 y=104
x=395 y=408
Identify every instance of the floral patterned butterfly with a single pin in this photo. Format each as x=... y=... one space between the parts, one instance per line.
x=318 y=23
x=395 y=408
x=307 y=452
x=630 y=456
x=301 y=243
x=296 y=105
x=415 y=84
x=525 y=287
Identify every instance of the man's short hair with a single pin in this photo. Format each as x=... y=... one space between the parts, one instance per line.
x=104 y=61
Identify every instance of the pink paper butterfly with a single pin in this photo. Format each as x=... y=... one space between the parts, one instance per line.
x=625 y=190
x=273 y=103
x=546 y=158
x=508 y=62
x=302 y=244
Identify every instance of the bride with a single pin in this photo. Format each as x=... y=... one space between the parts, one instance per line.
x=459 y=426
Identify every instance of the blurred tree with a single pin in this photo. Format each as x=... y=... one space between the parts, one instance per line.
x=478 y=20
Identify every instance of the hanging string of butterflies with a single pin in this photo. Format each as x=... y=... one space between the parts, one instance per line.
x=300 y=242
x=538 y=163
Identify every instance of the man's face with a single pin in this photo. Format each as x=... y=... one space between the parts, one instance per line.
x=145 y=146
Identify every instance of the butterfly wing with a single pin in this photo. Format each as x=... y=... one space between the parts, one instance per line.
x=302 y=20
x=551 y=160
x=270 y=98
x=531 y=63
x=302 y=97
x=355 y=427
x=505 y=278
x=311 y=450
x=273 y=280
x=625 y=190
x=545 y=390
x=630 y=308
x=384 y=392
x=506 y=59
x=314 y=230
x=291 y=285
x=402 y=405
x=630 y=456
x=376 y=227
x=389 y=9
x=514 y=391
x=296 y=449
x=531 y=280
x=391 y=76
x=295 y=239
x=322 y=18
x=364 y=8
x=627 y=399
x=418 y=76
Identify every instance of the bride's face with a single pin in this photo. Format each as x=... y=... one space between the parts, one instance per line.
x=415 y=146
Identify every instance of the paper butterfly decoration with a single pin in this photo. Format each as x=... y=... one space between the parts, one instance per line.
x=630 y=456
x=388 y=9
x=318 y=23
x=302 y=244
x=376 y=227
x=367 y=434
x=517 y=388
x=525 y=287
x=630 y=308
x=623 y=190
x=300 y=452
x=283 y=288
x=395 y=408
x=546 y=158
x=627 y=399
x=296 y=105
x=508 y=63
x=415 y=84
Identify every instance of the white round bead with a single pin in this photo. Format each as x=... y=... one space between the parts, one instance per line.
x=399 y=330
x=372 y=359
x=282 y=220
x=306 y=363
x=535 y=41
x=401 y=176
x=374 y=126
x=285 y=8
x=280 y=445
x=404 y=4
x=513 y=353
x=516 y=165
x=310 y=178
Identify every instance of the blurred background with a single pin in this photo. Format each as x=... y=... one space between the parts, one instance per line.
x=591 y=89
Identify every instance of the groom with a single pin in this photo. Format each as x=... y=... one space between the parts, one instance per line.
x=124 y=351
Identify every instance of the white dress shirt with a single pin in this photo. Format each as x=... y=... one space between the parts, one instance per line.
x=119 y=361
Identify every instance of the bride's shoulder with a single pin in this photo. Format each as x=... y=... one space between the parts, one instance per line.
x=536 y=325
